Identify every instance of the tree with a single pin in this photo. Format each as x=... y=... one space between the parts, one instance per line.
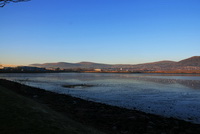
x=4 y=2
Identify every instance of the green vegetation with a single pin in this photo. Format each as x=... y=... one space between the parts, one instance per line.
x=21 y=115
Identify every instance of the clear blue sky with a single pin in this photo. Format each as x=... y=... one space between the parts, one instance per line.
x=104 y=31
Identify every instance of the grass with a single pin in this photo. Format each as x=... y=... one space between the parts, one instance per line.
x=21 y=115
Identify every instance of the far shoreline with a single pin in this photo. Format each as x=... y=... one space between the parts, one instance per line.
x=106 y=72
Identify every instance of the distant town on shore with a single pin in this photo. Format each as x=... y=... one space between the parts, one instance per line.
x=190 y=65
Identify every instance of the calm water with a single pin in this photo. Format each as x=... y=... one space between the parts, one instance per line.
x=169 y=95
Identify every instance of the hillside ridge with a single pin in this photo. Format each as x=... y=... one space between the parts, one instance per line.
x=192 y=63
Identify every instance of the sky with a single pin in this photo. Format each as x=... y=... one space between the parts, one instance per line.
x=102 y=31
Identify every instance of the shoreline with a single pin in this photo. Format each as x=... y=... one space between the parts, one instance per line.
x=113 y=72
x=110 y=119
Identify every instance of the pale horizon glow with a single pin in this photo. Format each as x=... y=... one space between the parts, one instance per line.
x=100 y=31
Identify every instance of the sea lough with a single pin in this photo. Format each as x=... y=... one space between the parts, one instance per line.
x=163 y=94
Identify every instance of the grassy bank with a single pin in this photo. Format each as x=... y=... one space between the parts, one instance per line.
x=21 y=115
x=57 y=113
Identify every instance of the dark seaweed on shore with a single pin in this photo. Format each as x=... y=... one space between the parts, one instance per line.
x=110 y=119
x=78 y=85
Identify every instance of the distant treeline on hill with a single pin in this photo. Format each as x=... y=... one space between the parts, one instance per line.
x=22 y=69
x=29 y=69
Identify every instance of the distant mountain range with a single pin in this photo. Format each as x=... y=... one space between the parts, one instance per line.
x=192 y=63
x=65 y=65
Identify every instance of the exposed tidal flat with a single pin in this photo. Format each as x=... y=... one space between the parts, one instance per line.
x=172 y=96
x=169 y=95
x=26 y=109
x=20 y=114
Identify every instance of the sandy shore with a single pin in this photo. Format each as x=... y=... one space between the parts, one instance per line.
x=109 y=119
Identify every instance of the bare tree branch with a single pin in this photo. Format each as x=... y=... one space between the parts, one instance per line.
x=4 y=2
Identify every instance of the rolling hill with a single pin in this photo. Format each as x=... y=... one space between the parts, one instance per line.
x=65 y=65
x=192 y=63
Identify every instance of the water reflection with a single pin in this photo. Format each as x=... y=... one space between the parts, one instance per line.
x=187 y=80
x=193 y=84
x=168 y=95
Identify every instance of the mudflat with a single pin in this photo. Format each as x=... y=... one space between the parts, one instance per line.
x=102 y=117
x=22 y=115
